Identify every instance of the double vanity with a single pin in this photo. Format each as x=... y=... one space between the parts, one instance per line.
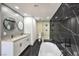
x=13 y=38
x=15 y=46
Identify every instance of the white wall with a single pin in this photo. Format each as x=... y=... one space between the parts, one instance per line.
x=0 y=21
x=0 y=29
x=30 y=27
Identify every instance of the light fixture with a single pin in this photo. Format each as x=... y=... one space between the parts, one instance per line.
x=37 y=18
x=17 y=7
x=56 y=17
x=25 y=14
x=16 y=14
x=36 y=5
x=48 y=17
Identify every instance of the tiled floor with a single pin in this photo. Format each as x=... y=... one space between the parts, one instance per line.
x=32 y=50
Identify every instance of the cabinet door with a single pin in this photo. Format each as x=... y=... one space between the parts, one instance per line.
x=20 y=45
x=17 y=47
x=24 y=42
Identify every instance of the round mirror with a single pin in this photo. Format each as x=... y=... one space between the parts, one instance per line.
x=9 y=24
x=20 y=25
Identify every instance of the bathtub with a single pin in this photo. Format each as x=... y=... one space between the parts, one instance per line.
x=49 y=49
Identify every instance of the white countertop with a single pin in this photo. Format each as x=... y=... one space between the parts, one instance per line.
x=17 y=38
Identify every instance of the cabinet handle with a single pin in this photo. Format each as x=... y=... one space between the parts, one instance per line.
x=27 y=39
x=20 y=44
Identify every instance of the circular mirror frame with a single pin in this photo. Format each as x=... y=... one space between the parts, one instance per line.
x=20 y=25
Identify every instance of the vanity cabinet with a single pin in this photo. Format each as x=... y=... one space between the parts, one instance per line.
x=14 y=47
x=20 y=45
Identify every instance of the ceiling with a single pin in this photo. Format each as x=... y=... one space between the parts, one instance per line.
x=38 y=10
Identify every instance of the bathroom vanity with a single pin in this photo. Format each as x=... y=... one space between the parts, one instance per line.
x=15 y=46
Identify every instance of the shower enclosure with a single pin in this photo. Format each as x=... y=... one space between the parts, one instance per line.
x=64 y=28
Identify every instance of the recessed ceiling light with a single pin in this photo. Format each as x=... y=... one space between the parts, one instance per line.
x=17 y=7
x=36 y=5
x=25 y=14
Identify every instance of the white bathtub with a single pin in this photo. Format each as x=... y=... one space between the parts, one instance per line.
x=49 y=49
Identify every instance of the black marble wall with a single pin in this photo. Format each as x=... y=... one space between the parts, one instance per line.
x=64 y=24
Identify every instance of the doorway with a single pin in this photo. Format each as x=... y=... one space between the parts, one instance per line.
x=43 y=28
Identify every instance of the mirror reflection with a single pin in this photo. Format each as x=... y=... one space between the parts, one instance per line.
x=9 y=24
x=20 y=25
